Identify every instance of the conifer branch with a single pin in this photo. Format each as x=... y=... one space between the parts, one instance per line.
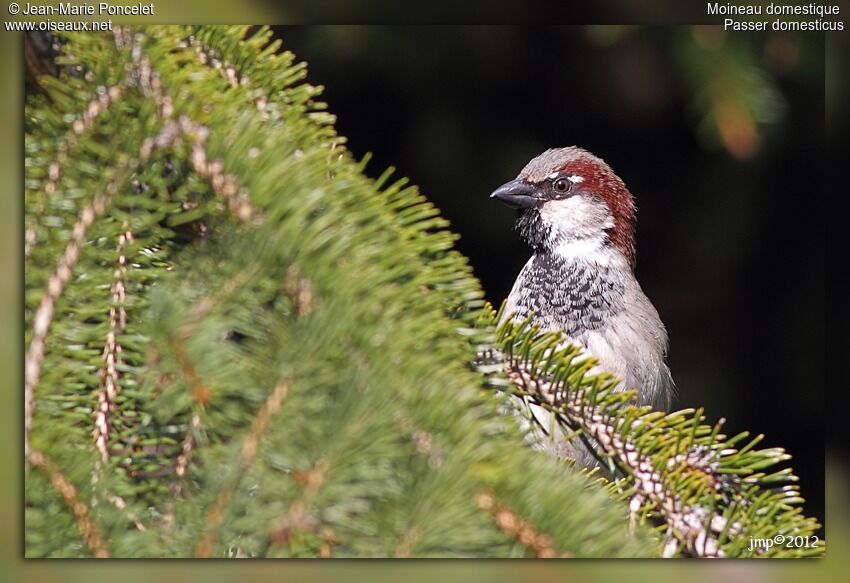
x=707 y=493
x=329 y=541
x=186 y=449
x=223 y=184
x=250 y=447
x=208 y=303
x=540 y=544
x=83 y=124
x=260 y=424
x=55 y=286
x=297 y=518
x=367 y=322
x=81 y=512
x=112 y=352
x=201 y=395
x=405 y=544
x=209 y=57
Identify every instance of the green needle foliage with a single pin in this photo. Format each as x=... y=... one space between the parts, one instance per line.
x=238 y=345
x=711 y=495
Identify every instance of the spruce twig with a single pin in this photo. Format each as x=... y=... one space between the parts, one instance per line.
x=707 y=493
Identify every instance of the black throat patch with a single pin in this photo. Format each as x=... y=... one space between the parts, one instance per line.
x=532 y=229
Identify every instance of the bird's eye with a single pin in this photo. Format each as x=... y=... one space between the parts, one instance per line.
x=561 y=185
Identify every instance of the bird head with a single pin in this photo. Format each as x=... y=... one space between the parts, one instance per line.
x=569 y=201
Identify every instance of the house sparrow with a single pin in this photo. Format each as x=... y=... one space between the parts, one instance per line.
x=579 y=219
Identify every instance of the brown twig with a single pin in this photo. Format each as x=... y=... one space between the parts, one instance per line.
x=112 y=352
x=209 y=57
x=509 y=522
x=55 y=286
x=80 y=510
x=182 y=463
x=297 y=518
x=83 y=124
x=250 y=446
x=300 y=289
x=408 y=540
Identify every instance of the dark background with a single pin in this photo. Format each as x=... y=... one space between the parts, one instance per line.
x=719 y=137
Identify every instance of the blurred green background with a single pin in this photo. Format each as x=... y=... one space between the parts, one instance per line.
x=720 y=138
x=648 y=182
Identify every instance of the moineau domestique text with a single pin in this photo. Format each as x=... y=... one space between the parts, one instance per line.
x=773 y=9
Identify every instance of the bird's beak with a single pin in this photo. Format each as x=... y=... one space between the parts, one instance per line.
x=516 y=193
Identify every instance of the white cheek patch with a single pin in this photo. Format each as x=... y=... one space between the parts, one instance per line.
x=577 y=224
x=574 y=217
